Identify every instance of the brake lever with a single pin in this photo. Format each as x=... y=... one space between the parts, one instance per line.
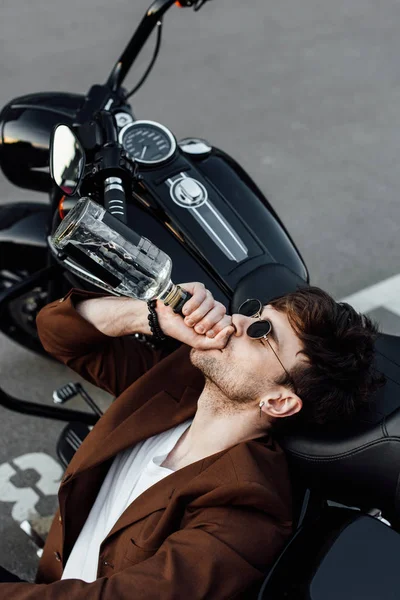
x=199 y=4
x=196 y=4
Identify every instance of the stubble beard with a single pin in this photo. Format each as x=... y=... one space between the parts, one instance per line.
x=225 y=379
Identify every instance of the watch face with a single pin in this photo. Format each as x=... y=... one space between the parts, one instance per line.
x=147 y=142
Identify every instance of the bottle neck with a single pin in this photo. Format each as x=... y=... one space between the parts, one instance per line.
x=171 y=295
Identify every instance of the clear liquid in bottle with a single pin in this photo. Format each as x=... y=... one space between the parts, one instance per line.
x=134 y=266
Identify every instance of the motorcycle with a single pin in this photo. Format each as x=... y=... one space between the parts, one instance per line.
x=197 y=204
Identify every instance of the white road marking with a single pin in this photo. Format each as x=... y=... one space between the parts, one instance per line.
x=24 y=499
x=49 y=469
x=385 y=294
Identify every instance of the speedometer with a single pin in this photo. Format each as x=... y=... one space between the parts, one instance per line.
x=147 y=142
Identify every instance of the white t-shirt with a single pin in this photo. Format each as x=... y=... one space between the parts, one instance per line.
x=132 y=472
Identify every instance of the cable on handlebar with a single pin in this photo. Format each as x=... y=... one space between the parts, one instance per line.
x=197 y=4
x=152 y=62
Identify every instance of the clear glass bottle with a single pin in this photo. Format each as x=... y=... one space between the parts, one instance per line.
x=131 y=264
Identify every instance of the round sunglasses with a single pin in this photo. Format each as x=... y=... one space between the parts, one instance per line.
x=261 y=328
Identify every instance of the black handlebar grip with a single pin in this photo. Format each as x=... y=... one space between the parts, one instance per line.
x=114 y=198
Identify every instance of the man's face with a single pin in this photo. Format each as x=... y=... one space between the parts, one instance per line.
x=247 y=368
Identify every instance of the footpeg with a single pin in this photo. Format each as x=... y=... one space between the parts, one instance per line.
x=69 y=391
x=65 y=393
x=34 y=536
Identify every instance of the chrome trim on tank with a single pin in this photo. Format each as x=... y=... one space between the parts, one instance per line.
x=207 y=215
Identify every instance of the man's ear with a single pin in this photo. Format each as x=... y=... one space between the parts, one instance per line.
x=281 y=404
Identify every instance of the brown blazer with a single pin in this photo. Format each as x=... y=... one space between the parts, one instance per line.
x=209 y=530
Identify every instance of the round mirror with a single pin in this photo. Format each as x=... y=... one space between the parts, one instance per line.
x=67 y=159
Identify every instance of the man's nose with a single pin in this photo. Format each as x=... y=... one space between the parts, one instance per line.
x=241 y=323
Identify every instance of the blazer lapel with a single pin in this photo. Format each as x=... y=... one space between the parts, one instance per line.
x=156 y=497
x=159 y=413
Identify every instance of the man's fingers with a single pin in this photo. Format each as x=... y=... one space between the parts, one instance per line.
x=199 y=294
x=201 y=316
x=203 y=313
x=215 y=321
x=220 y=340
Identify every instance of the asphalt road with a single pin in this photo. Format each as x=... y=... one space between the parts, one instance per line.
x=304 y=94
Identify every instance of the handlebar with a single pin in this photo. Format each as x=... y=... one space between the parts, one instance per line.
x=114 y=198
x=114 y=193
x=140 y=37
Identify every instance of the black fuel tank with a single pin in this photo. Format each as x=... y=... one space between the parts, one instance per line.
x=26 y=124
x=251 y=206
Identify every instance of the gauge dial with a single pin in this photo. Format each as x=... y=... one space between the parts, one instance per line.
x=147 y=142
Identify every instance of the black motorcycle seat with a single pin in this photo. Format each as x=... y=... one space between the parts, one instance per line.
x=341 y=555
x=359 y=464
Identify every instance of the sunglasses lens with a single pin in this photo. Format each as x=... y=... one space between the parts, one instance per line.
x=259 y=329
x=249 y=308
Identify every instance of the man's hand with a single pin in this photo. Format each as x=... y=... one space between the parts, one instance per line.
x=205 y=325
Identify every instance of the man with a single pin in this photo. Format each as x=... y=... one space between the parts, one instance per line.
x=180 y=490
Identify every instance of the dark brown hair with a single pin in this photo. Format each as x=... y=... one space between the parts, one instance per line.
x=338 y=377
